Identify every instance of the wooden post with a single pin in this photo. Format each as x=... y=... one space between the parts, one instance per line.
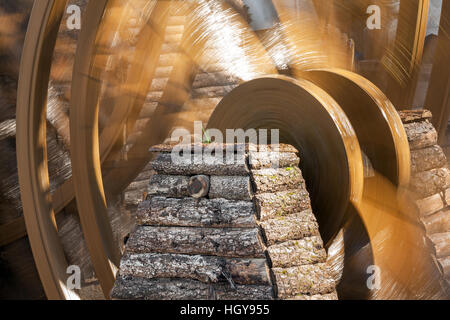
x=438 y=101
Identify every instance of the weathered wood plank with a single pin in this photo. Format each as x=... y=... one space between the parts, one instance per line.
x=169 y=186
x=201 y=164
x=135 y=288
x=276 y=180
x=437 y=223
x=206 y=269
x=232 y=188
x=287 y=228
x=431 y=182
x=297 y=253
x=272 y=205
x=189 y=212
x=197 y=241
x=303 y=280
x=274 y=160
x=421 y=134
x=427 y=159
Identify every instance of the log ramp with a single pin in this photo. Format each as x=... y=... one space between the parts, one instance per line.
x=431 y=184
x=213 y=229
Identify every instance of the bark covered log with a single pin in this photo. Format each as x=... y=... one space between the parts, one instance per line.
x=428 y=183
x=297 y=253
x=287 y=228
x=275 y=160
x=430 y=205
x=421 y=135
x=409 y=116
x=230 y=187
x=206 y=269
x=279 y=204
x=441 y=243
x=204 y=80
x=196 y=241
x=276 y=180
x=135 y=288
x=316 y=297
x=427 y=159
x=169 y=186
x=189 y=212
x=200 y=164
x=212 y=92
x=437 y=223
x=303 y=280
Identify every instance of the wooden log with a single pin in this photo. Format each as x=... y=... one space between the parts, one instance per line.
x=159 y=84
x=297 y=253
x=430 y=205
x=287 y=228
x=236 y=147
x=427 y=159
x=276 y=180
x=442 y=244
x=232 y=242
x=303 y=280
x=199 y=186
x=316 y=297
x=135 y=288
x=175 y=29
x=189 y=212
x=231 y=188
x=409 y=116
x=205 y=164
x=431 y=182
x=204 y=80
x=132 y=198
x=421 y=134
x=272 y=160
x=437 y=223
x=212 y=92
x=279 y=204
x=169 y=186
x=202 y=268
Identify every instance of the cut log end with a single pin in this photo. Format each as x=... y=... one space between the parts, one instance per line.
x=199 y=186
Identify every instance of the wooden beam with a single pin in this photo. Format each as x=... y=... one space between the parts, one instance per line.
x=402 y=62
x=438 y=97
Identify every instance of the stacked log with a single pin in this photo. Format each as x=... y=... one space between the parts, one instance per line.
x=431 y=184
x=225 y=231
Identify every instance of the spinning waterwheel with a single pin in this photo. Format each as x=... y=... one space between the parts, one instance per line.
x=144 y=68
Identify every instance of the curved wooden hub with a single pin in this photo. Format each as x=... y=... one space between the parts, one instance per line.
x=377 y=124
x=312 y=121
